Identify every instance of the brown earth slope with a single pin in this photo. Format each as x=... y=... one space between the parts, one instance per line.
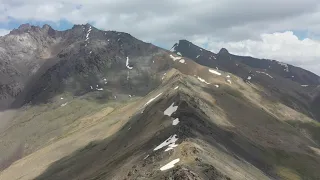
x=223 y=132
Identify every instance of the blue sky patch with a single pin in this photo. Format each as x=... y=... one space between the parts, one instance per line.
x=13 y=24
x=301 y=34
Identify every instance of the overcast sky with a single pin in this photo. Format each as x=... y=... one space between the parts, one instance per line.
x=285 y=30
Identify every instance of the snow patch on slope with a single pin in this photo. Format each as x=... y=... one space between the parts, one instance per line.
x=170 y=147
x=170 y=110
x=177 y=58
x=174 y=58
x=127 y=63
x=175 y=121
x=228 y=79
x=170 y=141
x=286 y=67
x=62 y=105
x=146 y=157
x=214 y=72
x=152 y=99
x=212 y=57
x=87 y=36
x=164 y=75
x=202 y=80
x=169 y=165
x=260 y=72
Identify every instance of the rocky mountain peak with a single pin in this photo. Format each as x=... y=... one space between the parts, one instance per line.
x=223 y=51
x=183 y=41
x=27 y=28
x=77 y=26
x=21 y=29
x=87 y=26
x=181 y=45
x=46 y=27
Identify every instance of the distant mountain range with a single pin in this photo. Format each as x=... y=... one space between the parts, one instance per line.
x=294 y=86
x=234 y=63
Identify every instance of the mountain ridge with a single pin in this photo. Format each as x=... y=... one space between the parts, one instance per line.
x=209 y=145
x=225 y=51
x=280 y=79
x=106 y=105
x=46 y=47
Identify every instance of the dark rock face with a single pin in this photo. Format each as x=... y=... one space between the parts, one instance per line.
x=201 y=56
x=223 y=51
x=35 y=60
x=22 y=52
x=206 y=58
x=292 y=85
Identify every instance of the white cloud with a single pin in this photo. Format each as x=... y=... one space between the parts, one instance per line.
x=4 y=32
x=285 y=47
x=165 y=21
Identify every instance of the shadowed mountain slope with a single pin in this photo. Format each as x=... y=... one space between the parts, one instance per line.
x=220 y=130
x=294 y=86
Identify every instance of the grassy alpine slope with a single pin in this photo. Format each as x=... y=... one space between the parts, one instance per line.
x=222 y=134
